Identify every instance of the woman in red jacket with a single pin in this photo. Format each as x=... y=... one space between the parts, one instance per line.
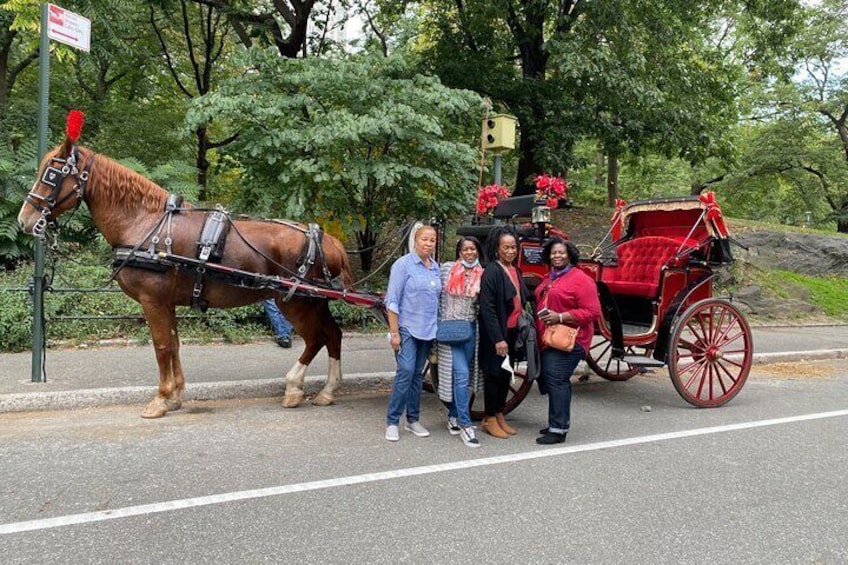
x=565 y=296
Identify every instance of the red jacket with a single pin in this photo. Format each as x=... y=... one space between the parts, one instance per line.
x=574 y=292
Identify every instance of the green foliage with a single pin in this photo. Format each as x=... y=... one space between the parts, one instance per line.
x=15 y=321
x=354 y=317
x=16 y=177
x=358 y=141
x=638 y=77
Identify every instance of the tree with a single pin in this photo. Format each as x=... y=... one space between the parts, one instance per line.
x=14 y=58
x=282 y=23
x=200 y=39
x=364 y=141
x=637 y=76
x=798 y=133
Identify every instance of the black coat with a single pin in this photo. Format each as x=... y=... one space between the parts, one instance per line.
x=496 y=304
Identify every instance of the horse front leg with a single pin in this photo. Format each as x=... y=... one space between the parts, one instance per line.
x=162 y=320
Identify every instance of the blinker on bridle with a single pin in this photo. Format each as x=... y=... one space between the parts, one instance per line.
x=54 y=176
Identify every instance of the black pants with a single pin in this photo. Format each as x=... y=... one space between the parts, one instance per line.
x=496 y=386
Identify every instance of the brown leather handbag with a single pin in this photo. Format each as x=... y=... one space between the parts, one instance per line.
x=560 y=336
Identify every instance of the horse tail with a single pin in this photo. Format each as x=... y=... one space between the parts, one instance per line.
x=339 y=253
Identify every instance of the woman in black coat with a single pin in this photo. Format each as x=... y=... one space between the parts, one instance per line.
x=503 y=296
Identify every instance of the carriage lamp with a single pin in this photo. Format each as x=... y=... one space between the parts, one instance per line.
x=540 y=214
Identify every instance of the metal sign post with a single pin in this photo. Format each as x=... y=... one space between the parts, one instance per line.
x=74 y=30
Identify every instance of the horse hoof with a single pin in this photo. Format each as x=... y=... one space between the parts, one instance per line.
x=323 y=399
x=173 y=403
x=292 y=399
x=157 y=408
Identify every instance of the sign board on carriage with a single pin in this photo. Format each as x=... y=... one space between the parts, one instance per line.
x=68 y=28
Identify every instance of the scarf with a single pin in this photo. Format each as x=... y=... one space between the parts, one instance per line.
x=457 y=280
x=556 y=274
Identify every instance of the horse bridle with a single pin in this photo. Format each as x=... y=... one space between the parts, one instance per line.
x=54 y=176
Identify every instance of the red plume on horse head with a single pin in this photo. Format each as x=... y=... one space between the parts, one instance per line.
x=74 y=125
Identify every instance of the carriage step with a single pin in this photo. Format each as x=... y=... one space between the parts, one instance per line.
x=641 y=361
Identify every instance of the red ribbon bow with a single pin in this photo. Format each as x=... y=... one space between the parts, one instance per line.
x=616 y=218
x=713 y=212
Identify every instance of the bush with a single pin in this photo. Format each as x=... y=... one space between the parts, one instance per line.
x=15 y=321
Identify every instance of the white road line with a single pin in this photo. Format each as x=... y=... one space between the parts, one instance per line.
x=168 y=506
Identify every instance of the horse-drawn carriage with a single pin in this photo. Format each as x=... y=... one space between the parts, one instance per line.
x=654 y=277
x=654 y=272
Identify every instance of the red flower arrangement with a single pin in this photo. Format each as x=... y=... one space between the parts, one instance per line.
x=489 y=196
x=550 y=189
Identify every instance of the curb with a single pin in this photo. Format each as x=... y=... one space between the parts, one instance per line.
x=225 y=390
x=269 y=388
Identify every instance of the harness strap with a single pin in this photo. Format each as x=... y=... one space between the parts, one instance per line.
x=314 y=247
x=213 y=236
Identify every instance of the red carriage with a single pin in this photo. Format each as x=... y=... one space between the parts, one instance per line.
x=655 y=272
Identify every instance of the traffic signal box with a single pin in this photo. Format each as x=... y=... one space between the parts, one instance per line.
x=499 y=132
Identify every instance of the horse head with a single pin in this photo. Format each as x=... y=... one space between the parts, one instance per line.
x=60 y=183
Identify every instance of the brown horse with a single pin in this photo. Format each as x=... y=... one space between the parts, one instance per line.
x=130 y=211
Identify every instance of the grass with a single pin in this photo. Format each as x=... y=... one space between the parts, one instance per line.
x=829 y=293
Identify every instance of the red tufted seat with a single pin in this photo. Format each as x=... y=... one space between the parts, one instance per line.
x=640 y=263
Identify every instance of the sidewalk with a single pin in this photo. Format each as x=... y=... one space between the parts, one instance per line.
x=88 y=377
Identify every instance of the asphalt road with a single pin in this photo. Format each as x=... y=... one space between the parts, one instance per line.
x=643 y=478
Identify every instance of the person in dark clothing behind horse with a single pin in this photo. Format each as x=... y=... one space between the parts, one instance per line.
x=565 y=295
x=503 y=296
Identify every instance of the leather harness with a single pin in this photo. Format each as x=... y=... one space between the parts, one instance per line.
x=210 y=251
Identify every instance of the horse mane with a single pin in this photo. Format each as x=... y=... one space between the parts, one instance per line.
x=113 y=181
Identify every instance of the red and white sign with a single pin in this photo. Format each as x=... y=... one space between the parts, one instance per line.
x=68 y=28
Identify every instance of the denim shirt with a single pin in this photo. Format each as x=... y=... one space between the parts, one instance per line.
x=413 y=295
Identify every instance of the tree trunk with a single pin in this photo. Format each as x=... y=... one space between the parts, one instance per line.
x=366 y=240
x=526 y=166
x=202 y=162
x=600 y=162
x=612 y=179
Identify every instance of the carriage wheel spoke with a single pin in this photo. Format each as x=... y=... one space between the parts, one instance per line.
x=702 y=373
x=733 y=379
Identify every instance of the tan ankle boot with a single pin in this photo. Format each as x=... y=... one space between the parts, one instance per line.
x=491 y=427
x=504 y=426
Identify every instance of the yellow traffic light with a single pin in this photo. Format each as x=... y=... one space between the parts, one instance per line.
x=499 y=132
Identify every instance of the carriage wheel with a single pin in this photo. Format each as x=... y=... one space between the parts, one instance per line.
x=518 y=391
x=600 y=359
x=710 y=353
x=431 y=376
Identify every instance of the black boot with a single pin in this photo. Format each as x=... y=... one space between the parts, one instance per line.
x=550 y=438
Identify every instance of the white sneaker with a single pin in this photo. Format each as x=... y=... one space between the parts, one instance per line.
x=392 y=433
x=469 y=436
x=453 y=426
x=417 y=429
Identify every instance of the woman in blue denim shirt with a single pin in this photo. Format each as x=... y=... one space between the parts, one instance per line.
x=412 y=304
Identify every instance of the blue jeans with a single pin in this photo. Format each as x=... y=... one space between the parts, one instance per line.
x=409 y=379
x=282 y=327
x=557 y=368
x=461 y=356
